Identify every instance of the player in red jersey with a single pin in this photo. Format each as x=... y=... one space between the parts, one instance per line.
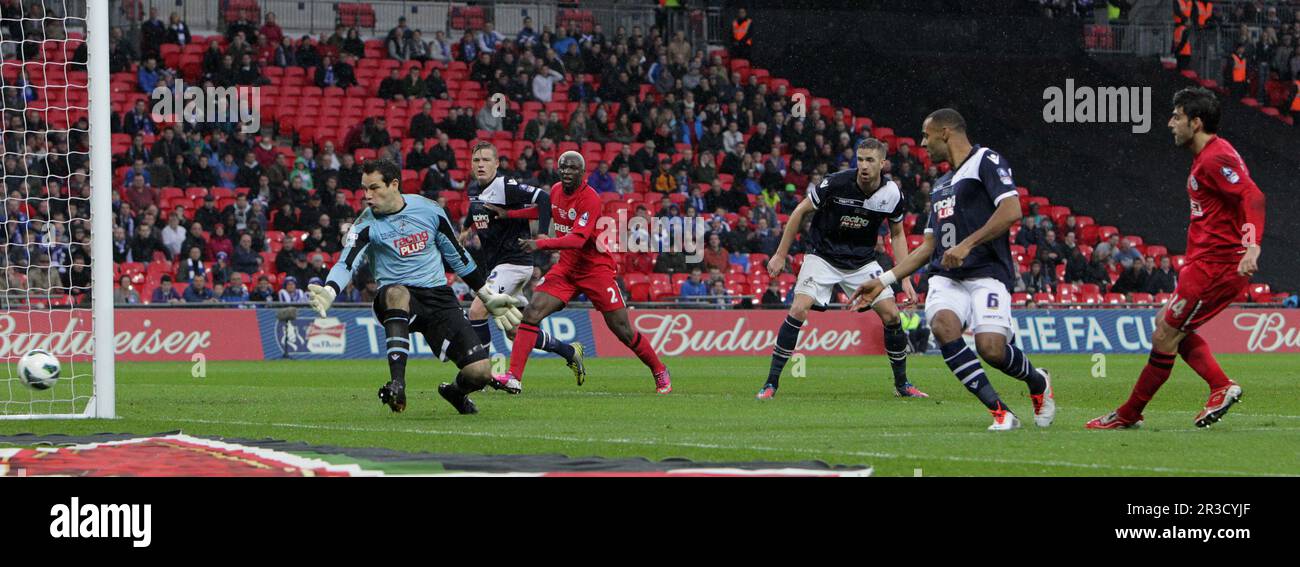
x=582 y=268
x=1223 y=238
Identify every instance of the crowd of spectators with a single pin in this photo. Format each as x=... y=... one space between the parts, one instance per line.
x=708 y=143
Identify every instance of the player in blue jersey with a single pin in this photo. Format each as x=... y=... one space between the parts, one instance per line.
x=968 y=256
x=847 y=208
x=407 y=239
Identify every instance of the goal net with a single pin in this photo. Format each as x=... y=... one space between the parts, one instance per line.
x=56 y=289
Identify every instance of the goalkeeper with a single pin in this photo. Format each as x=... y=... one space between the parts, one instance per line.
x=407 y=239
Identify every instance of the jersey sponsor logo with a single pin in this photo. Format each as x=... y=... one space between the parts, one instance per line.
x=481 y=221
x=1196 y=208
x=562 y=228
x=943 y=208
x=1191 y=182
x=412 y=244
x=1230 y=174
x=853 y=221
x=850 y=202
x=351 y=239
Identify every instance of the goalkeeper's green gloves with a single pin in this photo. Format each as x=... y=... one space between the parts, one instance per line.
x=502 y=307
x=321 y=297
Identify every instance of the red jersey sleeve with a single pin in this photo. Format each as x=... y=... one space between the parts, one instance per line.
x=1232 y=179
x=587 y=208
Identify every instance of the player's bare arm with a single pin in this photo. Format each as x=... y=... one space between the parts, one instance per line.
x=898 y=241
x=776 y=264
x=867 y=292
x=1007 y=213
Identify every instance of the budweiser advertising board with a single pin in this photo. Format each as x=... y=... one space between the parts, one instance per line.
x=256 y=334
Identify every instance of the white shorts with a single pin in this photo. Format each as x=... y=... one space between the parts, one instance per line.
x=817 y=279
x=510 y=279
x=983 y=304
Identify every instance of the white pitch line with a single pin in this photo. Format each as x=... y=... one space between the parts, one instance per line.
x=623 y=441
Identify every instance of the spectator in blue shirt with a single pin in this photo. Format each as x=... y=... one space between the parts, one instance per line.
x=236 y=292
x=526 y=35
x=165 y=293
x=198 y=292
x=694 y=286
x=148 y=75
x=562 y=45
x=227 y=171
x=1127 y=253
x=601 y=180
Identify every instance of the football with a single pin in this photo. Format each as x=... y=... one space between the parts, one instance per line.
x=38 y=369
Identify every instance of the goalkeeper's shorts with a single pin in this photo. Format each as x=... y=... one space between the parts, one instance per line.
x=437 y=314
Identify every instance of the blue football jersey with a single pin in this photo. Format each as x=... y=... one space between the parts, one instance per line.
x=963 y=201
x=408 y=247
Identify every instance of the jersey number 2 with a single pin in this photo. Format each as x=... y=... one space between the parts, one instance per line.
x=613 y=294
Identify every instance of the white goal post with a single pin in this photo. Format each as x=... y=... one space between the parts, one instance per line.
x=55 y=317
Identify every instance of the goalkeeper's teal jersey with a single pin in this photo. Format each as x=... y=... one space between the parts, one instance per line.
x=407 y=247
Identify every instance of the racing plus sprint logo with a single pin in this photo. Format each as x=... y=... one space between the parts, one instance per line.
x=75 y=520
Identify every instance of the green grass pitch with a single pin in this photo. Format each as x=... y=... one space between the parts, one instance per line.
x=842 y=412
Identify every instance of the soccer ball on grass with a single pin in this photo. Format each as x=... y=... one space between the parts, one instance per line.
x=38 y=369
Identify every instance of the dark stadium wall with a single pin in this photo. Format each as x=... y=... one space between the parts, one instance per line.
x=897 y=67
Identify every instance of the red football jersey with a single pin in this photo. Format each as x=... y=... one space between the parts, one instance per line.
x=1226 y=204
x=576 y=216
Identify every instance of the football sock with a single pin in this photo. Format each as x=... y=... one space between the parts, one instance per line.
x=525 y=339
x=1016 y=365
x=1196 y=353
x=548 y=343
x=1153 y=376
x=464 y=386
x=966 y=366
x=481 y=329
x=896 y=349
x=397 y=329
x=646 y=353
x=786 y=338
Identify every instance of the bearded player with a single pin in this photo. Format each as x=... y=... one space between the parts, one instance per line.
x=847 y=210
x=582 y=268
x=1227 y=222
x=499 y=210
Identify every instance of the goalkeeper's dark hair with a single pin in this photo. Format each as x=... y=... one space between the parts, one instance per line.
x=385 y=167
x=949 y=118
x=1200 y=102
